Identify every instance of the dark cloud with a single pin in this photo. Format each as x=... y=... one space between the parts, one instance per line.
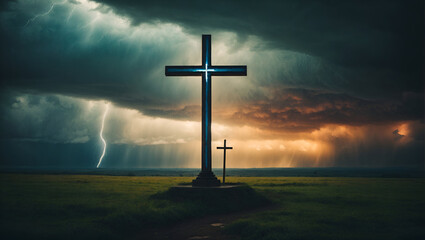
x=364 y=49
x=374 y=49
x=307 y=110
x=381 y=41
x=46 y=118
x=189 y=112
x=310 y=64
x=76 y=58
x=377 y=43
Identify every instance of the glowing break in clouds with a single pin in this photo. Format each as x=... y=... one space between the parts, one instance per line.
x=101 y=134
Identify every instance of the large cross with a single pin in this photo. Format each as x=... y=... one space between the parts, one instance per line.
x=206 y=177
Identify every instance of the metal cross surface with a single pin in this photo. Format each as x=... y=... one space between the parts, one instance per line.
x=206 y=70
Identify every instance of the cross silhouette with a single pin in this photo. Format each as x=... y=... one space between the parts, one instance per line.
x=206 y=177
x=224 y=159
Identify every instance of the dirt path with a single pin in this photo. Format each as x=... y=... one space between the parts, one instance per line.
x=208 y=227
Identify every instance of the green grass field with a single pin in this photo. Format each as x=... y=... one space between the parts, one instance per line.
x=111 y=207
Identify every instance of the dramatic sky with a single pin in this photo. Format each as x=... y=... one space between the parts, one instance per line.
x=330 y=83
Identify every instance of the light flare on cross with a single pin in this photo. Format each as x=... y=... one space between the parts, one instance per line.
x=206 y=177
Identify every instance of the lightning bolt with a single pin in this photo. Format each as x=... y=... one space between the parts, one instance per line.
x=44 y=14
x=101 y=135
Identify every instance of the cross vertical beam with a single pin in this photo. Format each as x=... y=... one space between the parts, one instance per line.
x=206 y=177
x=206 y=104
x=224 y=160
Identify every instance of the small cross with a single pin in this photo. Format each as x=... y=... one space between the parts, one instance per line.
x=224 y=159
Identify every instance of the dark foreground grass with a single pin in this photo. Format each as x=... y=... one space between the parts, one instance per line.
x=84 y=207
x=106 y=207
x=337 y=208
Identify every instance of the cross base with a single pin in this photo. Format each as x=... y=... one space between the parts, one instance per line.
x=206 y=179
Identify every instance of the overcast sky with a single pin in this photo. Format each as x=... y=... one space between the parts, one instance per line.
x=330 y=83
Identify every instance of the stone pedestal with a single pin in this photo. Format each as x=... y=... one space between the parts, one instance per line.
x=206 y=179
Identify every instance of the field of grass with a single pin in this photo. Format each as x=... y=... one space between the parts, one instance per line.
x=113 y=207
x=337 y=208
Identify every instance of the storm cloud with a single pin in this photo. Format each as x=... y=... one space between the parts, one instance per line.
x=381 y=41
x=313 y=66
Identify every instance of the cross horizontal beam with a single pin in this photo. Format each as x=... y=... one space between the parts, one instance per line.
x=199 y=70
x=224 y=147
